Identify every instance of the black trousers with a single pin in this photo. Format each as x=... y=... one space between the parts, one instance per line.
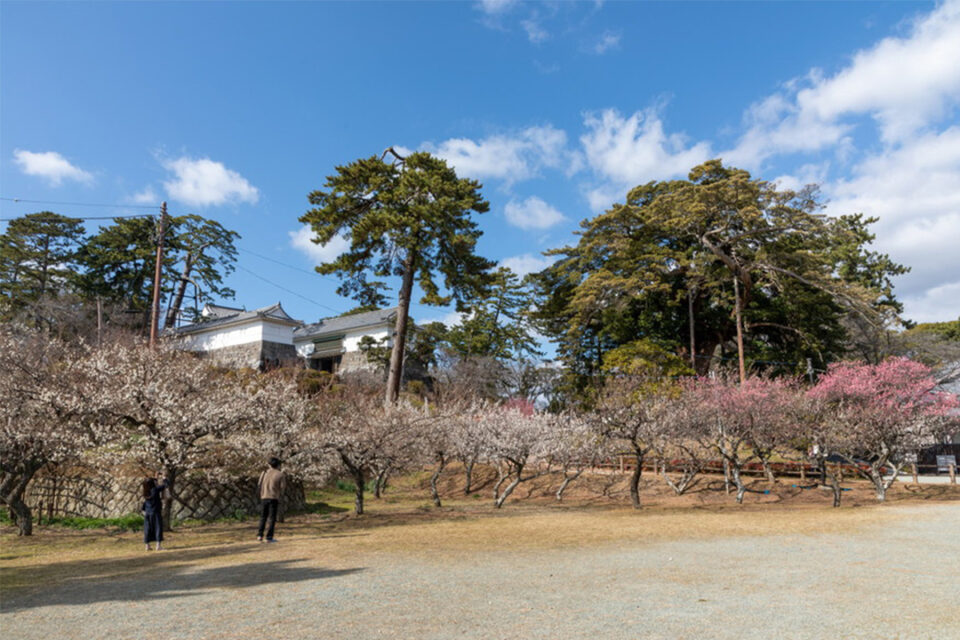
x=268 y=512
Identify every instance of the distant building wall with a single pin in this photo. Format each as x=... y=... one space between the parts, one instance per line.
x=351 y=341
x=222 y=338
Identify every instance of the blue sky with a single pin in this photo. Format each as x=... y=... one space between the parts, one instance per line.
x=237 y=110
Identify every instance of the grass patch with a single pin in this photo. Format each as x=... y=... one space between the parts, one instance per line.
x=130 y=522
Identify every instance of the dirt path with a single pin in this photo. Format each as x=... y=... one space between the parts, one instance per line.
x=896 y=578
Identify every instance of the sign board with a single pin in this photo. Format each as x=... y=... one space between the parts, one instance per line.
x=944 y=462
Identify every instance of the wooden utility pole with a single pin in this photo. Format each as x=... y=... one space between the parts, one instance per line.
x=155 y=309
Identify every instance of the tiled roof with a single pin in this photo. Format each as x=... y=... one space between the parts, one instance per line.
x=226 y=316
x=341 y=324
x=218 y=310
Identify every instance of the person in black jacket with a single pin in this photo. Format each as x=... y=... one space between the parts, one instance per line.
x=153 y=512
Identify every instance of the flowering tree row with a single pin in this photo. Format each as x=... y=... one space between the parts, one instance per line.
x=167 y=411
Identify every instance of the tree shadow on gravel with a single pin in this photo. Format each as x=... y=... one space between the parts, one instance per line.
x=166 y=581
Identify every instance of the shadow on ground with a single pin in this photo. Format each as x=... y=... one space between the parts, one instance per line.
x=170 y=577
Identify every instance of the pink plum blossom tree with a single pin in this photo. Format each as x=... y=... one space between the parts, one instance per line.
x=884 y=411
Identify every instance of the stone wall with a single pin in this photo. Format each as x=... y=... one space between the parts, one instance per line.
x=253 y=355
x=92 y=495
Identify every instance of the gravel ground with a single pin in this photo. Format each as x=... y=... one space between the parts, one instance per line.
x=898 y=580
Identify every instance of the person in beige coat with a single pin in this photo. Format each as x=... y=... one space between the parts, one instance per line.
x=270 y=488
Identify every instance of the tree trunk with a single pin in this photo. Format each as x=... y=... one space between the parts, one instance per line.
x=468 y=487
x=738 y=481
x=739 y=318
x=635 y=480
x=510 y=487
x=380 y=484
x=174 y=309
x=22 y=516
x=395 y=375
x=359 y=479
x=171 y=474
x=726 y=476
x=877 y=478
x=837 y=491
x=501 y=476
x=686 y=479
x=693 y=340
x=434 y=493
x=13 y=487
x=566 y=482
x=767 y=471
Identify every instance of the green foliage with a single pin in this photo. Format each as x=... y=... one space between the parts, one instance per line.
x=131 y=522
x=949 y=330
x=497 y=325
x=349 y=487
x=205 y=253
x=118 y=264
x=669 y=256
x=421 y=346
x=411 y=218
x=645 y=358
x=38 y=257
x=417 y=388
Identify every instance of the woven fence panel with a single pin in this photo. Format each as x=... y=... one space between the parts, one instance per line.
x=94 y=495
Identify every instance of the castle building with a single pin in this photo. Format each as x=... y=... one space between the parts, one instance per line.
x=268 y=337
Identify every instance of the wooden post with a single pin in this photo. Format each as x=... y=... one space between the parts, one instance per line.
x=953 y=473
x=621 y=464
x=803 y=473
x=155 y=308
x=99 y=321
x=913 y=467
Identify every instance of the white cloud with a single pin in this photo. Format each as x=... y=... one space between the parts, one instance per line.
x=302 y=240
x=627 y=151
x=147 y=196
x=511 y=158
x=532 y=213
x=527 y=263
x=609 y=40
x=803 y=176
x=905 y=84
x=535 y=31
x=451 y=319
x=50 y=165
x=203 y=182
x=915 y=191
x=934 y=305
x=493 y=7
x=902 y=82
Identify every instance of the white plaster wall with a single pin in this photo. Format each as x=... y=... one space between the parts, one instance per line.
x=279 y=333
x=255 y=331
x=225 y=337
x=304 y=348
x=351 y=341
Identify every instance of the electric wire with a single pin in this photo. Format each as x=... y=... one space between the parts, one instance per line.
x=84 y=204
x=284 y=264
x=290 y=291
x=85 y=218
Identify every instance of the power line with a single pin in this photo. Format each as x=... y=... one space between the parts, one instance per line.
x=284 y=264
x=86 y=204
x=85 y=218
x=290 y=291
